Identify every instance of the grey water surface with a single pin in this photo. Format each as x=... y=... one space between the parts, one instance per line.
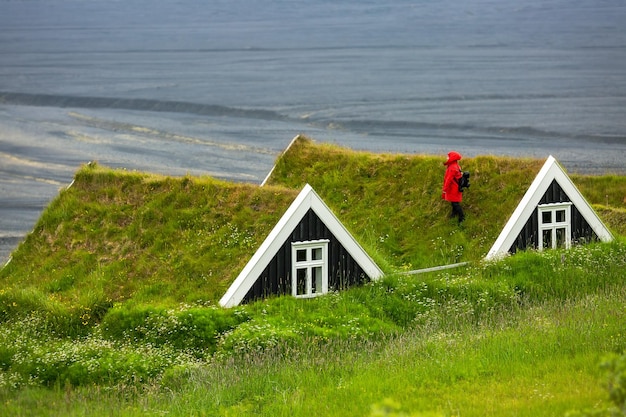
x=220 y=87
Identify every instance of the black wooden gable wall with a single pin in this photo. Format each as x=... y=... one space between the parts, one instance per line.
x=276 y=278
x=580 y=231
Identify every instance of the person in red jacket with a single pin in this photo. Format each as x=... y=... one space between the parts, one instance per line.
x=451 y=191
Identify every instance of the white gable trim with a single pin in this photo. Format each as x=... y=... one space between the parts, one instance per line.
x=550 y=171
x=307 y=199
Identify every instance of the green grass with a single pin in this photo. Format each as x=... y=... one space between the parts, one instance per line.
x=541 y=361
x=109 y=306
x=513 y=337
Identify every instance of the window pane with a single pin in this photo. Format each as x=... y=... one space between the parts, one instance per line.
x=317 y=279
x=316 y=254
x=301 y=255
x=546 y=217
x=560 y=216
x=547 y=239
x=560 y=237
x=301 y=281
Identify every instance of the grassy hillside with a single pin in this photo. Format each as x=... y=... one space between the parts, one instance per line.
x=533 y=335
x=393 y=202
x=108 y=306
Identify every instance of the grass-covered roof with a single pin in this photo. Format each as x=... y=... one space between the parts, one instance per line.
x=125 y=235
x=393 y=202
x=122 y=236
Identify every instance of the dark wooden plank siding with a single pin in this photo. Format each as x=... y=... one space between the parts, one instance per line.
x=581 y=231
x=527 y=238
x=276 y=278
x=554 y=194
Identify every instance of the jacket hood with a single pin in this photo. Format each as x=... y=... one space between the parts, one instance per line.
x=453 y=157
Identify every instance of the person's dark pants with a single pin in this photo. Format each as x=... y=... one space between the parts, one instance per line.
x=457 y=211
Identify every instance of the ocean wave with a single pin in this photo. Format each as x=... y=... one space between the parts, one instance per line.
x=139 y=104
x=329 y=121
x=392 y=128
x=116 y=126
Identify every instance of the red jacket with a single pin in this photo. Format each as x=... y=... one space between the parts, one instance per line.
x=451 y=179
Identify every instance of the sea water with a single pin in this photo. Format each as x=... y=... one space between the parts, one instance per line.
x=220 y=87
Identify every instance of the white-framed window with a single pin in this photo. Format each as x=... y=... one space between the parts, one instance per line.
x=555 y=226
x=309 y=268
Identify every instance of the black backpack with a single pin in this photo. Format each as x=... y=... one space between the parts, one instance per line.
x=464 y=181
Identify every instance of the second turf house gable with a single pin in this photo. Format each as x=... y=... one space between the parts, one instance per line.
x=308 y=253
x=553 y=213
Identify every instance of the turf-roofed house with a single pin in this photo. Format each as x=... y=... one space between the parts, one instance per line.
x=307 y=253
x=552 y=214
